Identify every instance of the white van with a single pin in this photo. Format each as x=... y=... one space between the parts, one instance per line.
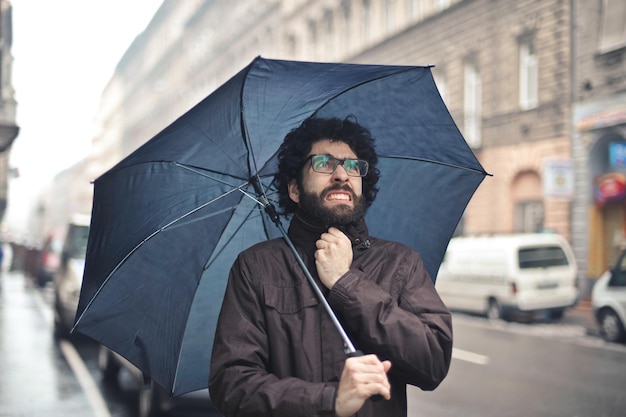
x=504 y=274
x=68 y=277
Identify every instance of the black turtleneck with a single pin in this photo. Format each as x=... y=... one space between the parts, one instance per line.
x=305 y=230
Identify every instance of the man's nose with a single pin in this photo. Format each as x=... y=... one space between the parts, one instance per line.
x=340 y=174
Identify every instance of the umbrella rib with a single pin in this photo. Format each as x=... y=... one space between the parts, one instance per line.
x=167 y=226
x=209 y=261
x=189 y=213
x=400 y=70
x=478 y=171
x=204 y=173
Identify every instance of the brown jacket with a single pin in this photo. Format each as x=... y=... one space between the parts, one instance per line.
x=276 y=352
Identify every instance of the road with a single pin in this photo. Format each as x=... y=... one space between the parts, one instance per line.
x=498 y=368
x=41 y=375
x=515 y=369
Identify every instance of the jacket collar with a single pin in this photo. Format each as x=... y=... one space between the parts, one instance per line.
x=305 y=230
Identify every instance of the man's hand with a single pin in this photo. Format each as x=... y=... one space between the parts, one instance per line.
x=362 y=377
x=333 y=256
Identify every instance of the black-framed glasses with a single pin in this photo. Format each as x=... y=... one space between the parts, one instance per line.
x=327 y=164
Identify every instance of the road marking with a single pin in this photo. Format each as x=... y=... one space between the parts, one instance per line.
x=85 y=380
x=472 y=357
x=43 y=307
x=568 y=333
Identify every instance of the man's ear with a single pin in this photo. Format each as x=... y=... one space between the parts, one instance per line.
x=294 y=191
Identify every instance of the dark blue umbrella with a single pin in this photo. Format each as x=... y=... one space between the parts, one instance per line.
x=169 y=220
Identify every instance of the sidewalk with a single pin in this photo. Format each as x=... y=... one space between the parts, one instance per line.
x=584 y=305
x=35 y=379
x=582 y=314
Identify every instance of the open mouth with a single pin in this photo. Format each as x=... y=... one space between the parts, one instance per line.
x=339 y=196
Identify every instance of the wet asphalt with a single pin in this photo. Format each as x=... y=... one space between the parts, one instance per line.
x=35 y=378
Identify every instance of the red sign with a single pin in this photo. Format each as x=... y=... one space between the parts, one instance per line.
x=610 y=187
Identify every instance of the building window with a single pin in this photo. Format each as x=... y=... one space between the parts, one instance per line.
x=330 y=36
x=528 y=75
x=365 y=21
x=347 y=29
x=292 y=46
x=389 y=16
x=415 y=9
x=472 y=106
x=527 y=195
x=613 y=27
x=313 y=45
x=528 y=216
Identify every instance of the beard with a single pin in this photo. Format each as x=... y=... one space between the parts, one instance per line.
x=339 y=215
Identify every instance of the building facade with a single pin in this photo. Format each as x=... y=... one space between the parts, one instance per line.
x=508 y=70
x=503 y=70
x=599 y=133
x=8 y=105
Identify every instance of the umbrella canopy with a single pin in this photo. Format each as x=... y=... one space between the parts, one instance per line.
x=169 y=220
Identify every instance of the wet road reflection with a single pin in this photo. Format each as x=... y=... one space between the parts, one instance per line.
x=35 y=379
x=44 y=375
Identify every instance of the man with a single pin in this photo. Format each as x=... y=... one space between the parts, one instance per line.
x=276 y=352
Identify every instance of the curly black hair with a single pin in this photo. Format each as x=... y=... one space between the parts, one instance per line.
x=299 y=142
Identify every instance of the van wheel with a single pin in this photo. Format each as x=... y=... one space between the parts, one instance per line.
x=557 y=314
x=494 y=311
x=108 y=366
x=61 y=331
x=151 y=401
x=611 y=328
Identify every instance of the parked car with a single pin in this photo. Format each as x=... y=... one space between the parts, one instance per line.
x=608 y=301
x=49 y=259
x=503 y=275
x=153 y=400
x=68 y=277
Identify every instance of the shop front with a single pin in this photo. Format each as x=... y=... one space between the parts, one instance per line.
x=601 y=130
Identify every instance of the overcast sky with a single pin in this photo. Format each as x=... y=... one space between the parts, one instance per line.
x=64 y=53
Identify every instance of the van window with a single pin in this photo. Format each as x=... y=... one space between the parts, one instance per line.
x=618 y=277
x=542 y=257
x=77 y=241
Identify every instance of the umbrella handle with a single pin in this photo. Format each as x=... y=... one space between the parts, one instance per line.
x=271 y=211
x=333 y=317
x=351 y=351
x=376 y=397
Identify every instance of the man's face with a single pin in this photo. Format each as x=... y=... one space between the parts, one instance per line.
x=335 y=199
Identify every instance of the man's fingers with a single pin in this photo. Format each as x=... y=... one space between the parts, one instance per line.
x=334 y=235
x=362 y=377
x=370 y=375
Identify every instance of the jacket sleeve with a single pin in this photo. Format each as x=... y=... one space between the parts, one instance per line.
x=239 y=381
x=401 y=319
